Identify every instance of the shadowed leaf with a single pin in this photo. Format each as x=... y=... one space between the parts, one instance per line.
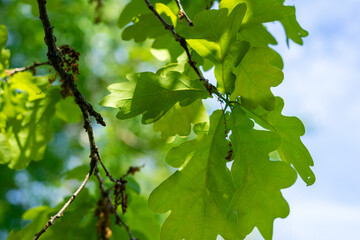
x=151 y=95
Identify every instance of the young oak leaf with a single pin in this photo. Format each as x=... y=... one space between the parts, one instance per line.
x=152 y=95
x=199 y=194
x=178 y=119
x=214 y=37
x=262 y=11
x=293 y=29
x=290 y=129
x=258 y=199
x=254 y=78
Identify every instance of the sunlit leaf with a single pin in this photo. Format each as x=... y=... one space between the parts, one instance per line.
x=214 y=37
x=23 y=81
x=29 y=132
x=260 y=11
x=198 y=194
x=293 y=29
x=254 y=78
x=290 y=129
x=258 y=200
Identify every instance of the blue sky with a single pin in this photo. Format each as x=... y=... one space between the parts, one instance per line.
x=322 y=87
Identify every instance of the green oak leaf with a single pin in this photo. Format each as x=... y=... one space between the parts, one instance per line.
x=254 y=78
x=148 y=26
x=293 y=29
x=24 y=81
x=30 y=131
x=200 y=192
x=133 y=9
x=4 y=60
x=258 y=199
x=290 y=129
x=3 y=36
x=260 y=11
x=4 y=53
x=38 y=216
x=178 y=119
x=167 y=42
x=152 y=95
x=214 y=37
x=138 y=7
x=257 y=35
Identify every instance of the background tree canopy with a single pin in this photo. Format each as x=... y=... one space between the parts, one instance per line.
x=144 y=62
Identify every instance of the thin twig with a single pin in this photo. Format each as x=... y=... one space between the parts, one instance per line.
x=182 y=13
x=210 y=88
x=118 y=219
x=107 y=171
x=67 y=204
x=11 y=72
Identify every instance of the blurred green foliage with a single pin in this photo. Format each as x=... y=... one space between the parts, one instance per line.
x=105 y=59
x=44 y=151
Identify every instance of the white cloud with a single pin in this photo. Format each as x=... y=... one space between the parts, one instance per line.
x=319 y=220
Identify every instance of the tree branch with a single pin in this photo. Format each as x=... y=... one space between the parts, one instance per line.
x=105 y=192
x=31 y=68
x=55 y=60
x=210 y=88
x=182 y=13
